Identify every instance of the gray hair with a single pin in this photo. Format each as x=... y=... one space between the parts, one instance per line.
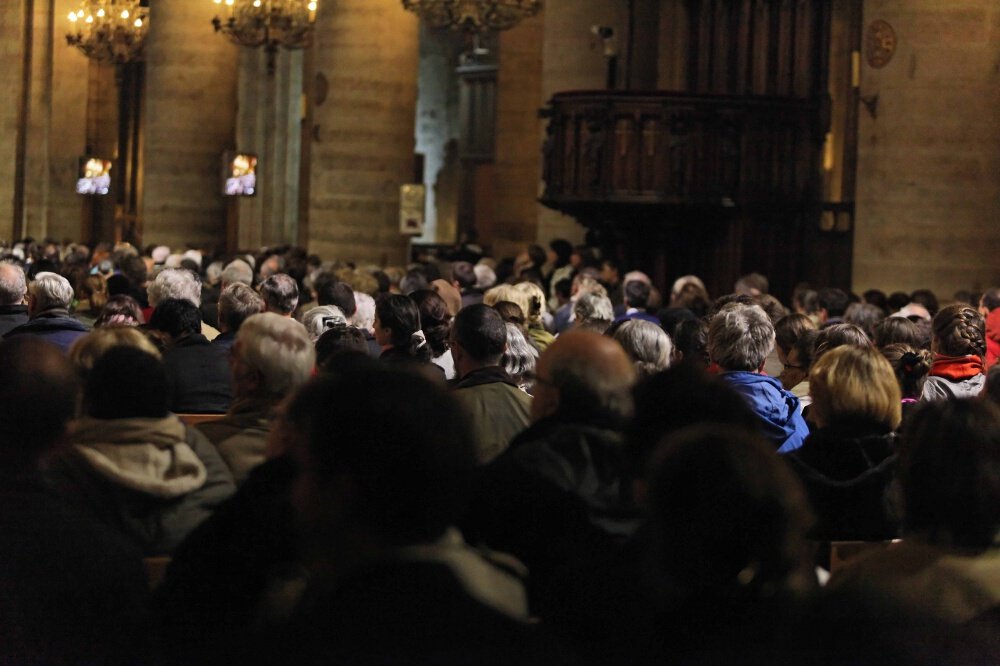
x=647 y=344
x=593 y=311
x=740 y=337
x=520 y=356
x=174 y=283
x=364 y=317
x=318 y=319
x=237 y=270
x=237 y=303
x=51 y=291
x=12 y=284
x=279 y=349
x=280 y=293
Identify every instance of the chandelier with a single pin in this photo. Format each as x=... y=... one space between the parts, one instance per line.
x=473 y=16
x=268 y=23
x=109 y=30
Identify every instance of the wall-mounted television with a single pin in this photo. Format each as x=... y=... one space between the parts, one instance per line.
x=239 y=173
x=93 y=176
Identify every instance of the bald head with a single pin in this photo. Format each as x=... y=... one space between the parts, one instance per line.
x=583 y=374
x=12 y=284
x=38 y=394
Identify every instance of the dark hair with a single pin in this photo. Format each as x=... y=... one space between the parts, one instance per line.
x=790 y=328
x=831 y=337
x=127 y=382
x=691 y=341
x=512 y=313
x=678 y=397
x=806 y=298
x=865 y=316
x=897 y=301
x=637 y=294
x=959 y=330
x=176 y=317
x=805 y=349
x=237 y=303
x=435 y=319
x=400 y=315
x=950 y=473
x=414 y=280
x=723 y=301
x=281 y=293
x=330 y=291
x=911 y=365
x=991 y=299
x=877 y=298
x=134 y=268
x=893 y=330
x=38 y=391
x=926 y=298
x=564 y=288
x=833 y=300
x=400 y=440
x=537 y=255
x=741 y=535
x=464 y=274
x=693 y=298
x=562 y=249
x=340 y=339
x=120 y=310
x=480 y=331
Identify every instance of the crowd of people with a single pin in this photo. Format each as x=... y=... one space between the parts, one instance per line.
x=535 y=460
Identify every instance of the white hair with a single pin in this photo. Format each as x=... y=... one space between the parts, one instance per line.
x=213 y=272
x=740 y=337
x=160 y=254
x=279 y=349
x=486 y=277
x=593 y=311
x=684 y=280
x=51 y=291
x=238 y=270
x=646 y=344
x=12 y=284
x=364 y=317
x=318 y=319
x=174 y=283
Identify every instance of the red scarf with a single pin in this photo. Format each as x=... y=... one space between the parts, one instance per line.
x=956 y=368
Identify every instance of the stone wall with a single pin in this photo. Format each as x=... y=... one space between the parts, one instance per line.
x=929 y=158
x=363 y=138
x=10 y=82
x=190 y=111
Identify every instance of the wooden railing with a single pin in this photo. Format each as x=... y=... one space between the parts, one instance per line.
x=662 y=148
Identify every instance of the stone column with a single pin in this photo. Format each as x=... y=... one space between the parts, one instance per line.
x=191 y=79
x=268 y=124
x=11 y=59
x=365 y=94
x=574 y=60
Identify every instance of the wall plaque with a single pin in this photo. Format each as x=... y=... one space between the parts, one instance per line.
x=880 y=44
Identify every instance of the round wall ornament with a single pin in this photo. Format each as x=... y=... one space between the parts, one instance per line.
x=880 y=43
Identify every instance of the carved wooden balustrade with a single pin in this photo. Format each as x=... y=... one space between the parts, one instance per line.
x=646 y=151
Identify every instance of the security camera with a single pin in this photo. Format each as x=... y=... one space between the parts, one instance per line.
x=603 y=31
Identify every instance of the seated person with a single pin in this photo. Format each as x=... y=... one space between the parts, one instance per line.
x=49 y=299
x=133 y=465
x=272 y=357
x=237 y=302
x=958 y=342
x=740 y=337
x=198 y=371
x=72 y=589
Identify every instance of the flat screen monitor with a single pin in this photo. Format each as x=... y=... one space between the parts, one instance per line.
x=239 y=174
x=94 y=176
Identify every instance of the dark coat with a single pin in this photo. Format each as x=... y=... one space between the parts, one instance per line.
x=848 y=470
x=55 y=326
x=70 y=588
x=12 y=316
x=200 y=375
x=556 y=495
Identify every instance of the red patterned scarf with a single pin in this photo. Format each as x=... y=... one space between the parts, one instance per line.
x=956 y=368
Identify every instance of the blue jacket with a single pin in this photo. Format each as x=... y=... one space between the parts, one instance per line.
x=778 y=409
x=55 y=326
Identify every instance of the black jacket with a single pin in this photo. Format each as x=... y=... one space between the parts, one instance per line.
x=200 y=375
x=848 y=471
x=55 y=326
x=12 y=316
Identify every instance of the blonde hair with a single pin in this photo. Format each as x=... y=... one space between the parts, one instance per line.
x=506 y=292
x=854 y=382
x=87 y=350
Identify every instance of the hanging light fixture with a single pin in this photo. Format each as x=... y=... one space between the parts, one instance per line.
x=109 y=30
x=268 y=23
x=473 y=16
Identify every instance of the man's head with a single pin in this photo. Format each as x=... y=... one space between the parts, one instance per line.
x=593 y=312
x=832 y=303
x=610 y=272
x=280 y=294
x=127 y=382
x=478 y=338
x=12 y=284
x=740 y=337
x=582 y=375
x=637 y=294
x=174 y=283
x=237 y=302
x=49 y=291
x=384 y=456
x=38 y=394
x=990 y=301
x=751 y=284
x=235 y=271
x=177 y=317
x=272 y=356
x=331 y=291
x=464 y=274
